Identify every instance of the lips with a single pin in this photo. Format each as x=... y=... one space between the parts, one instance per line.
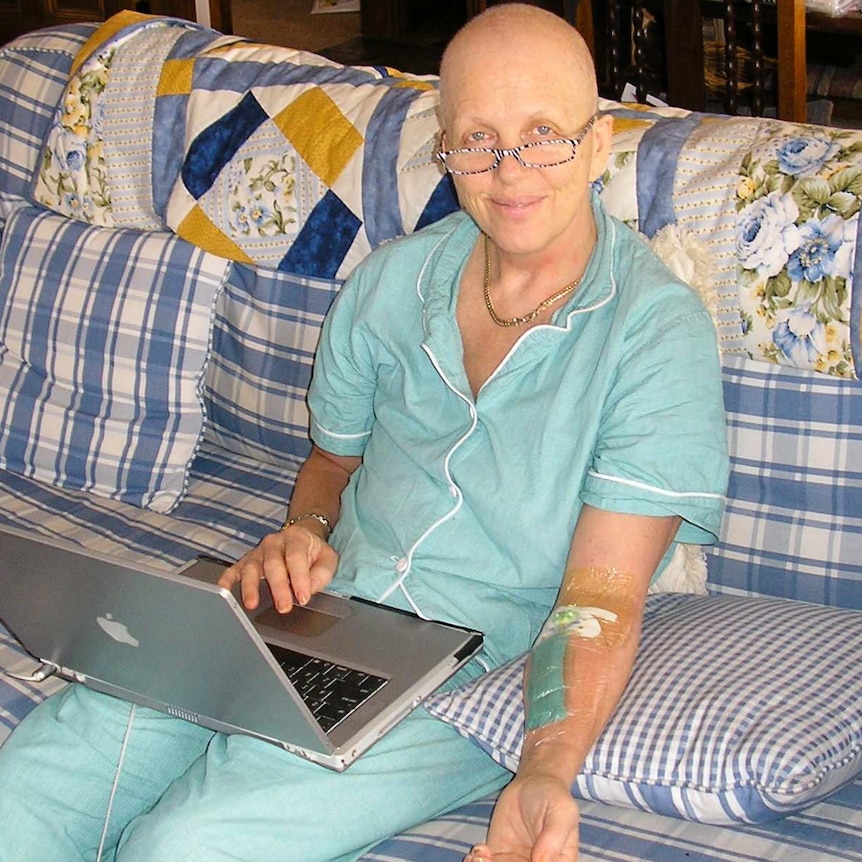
x=516 y=205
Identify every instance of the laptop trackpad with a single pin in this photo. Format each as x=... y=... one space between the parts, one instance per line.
x=305 y=622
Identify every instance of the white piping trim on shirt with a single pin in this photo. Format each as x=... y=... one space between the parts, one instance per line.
x=408 y=557
x=645 y=487
x=419 y=278
x=329 y=433
x=427 y=262
x=456 y=491
x=569 y=317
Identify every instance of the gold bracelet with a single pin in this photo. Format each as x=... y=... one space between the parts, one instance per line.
x=321 y=519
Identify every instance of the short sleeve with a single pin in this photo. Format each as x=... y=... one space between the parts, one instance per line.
x=662 y=447
x=341 y=394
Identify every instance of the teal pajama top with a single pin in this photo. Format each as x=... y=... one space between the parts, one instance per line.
x=463 y=509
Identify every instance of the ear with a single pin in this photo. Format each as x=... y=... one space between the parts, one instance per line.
x=602 y=134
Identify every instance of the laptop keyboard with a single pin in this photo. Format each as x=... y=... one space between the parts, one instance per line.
x=331 y=691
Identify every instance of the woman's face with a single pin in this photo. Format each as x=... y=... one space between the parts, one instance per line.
x=503 y=99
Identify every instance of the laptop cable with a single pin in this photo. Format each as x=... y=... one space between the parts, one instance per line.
x=43 y=672
x=116 y=783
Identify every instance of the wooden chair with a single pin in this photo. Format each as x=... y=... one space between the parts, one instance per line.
x=622 y=52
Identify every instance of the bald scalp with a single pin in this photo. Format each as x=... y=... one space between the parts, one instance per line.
x=511 y=29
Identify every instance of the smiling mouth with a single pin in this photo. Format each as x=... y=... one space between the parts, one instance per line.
x=516 y=204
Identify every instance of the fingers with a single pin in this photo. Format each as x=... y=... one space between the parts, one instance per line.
x=229 y=577
x=287 y=582
x=248 y=573
x=295 y=563
x=321 y=571
x=548 y=848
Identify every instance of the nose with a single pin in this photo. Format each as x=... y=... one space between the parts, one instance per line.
x=510 y=162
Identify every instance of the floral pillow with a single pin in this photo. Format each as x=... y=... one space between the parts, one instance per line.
x=97 y=165
x=798 y=202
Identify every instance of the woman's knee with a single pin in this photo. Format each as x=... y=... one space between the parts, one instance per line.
x=177 y=834
x=81 y=758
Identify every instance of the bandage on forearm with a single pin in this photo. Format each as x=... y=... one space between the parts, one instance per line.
x=546 y=689
x=596 y=616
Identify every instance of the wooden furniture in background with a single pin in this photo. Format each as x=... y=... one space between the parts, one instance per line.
x=409 y=19
x=792 y=72
x=833 y=47
x=411 y=34
x=753 y=29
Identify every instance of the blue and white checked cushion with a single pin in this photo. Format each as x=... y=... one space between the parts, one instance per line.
x=104 y=338
x=266 y=332
x=738 y=710
x=793 y=523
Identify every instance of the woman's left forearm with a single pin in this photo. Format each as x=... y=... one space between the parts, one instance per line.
x=574 y=679
x=582 y=660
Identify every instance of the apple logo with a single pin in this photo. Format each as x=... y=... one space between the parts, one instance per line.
x=117 y=630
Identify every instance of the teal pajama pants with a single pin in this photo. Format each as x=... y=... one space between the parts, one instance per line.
x=186 y=794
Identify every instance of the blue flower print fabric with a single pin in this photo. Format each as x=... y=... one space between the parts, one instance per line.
x=798 y=201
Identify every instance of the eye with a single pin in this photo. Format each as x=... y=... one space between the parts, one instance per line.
x=477 y=139
x=543 y=131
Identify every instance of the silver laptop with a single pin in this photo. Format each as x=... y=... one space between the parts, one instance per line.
x=178 y=643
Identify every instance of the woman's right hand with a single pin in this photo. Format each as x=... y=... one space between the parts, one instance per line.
x=296 y=562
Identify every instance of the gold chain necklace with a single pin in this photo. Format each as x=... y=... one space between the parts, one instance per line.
x=527 y=318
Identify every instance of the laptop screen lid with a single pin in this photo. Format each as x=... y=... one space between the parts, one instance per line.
x=177 y=643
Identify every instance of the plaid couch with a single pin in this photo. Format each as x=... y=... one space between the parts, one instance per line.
x=167 y=259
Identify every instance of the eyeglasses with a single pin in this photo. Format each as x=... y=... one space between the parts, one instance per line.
x=538 y=154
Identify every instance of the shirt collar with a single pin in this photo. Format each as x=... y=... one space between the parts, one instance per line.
x=439 y=280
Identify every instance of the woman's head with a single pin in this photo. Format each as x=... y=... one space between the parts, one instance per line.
x=517 y=75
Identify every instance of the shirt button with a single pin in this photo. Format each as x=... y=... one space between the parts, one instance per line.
x=402 y=565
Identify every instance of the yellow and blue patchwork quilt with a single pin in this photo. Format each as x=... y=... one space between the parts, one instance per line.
x=264 y=155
